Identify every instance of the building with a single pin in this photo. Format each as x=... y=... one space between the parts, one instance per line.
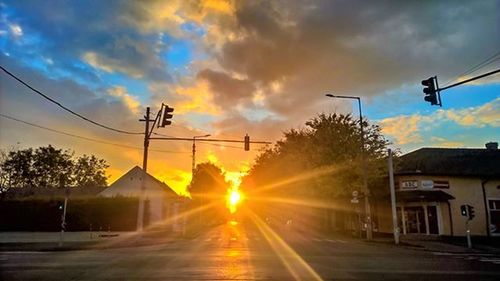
x=164 y=203
x=433 y=183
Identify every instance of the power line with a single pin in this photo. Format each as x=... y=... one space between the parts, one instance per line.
x=67 y=109
x=491 y=59
x=219 y=145
x=82 y=137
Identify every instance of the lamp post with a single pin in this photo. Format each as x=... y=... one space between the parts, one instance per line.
x=193 y=166
x=363 y=159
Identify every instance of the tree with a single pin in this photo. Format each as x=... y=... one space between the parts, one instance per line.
x=18 y=166
x=89 y=171
x=208 y=179
x=51 y=168
x=319 y=163
x=208 y=188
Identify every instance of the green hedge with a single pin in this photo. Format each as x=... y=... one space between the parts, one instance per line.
x=115 y=214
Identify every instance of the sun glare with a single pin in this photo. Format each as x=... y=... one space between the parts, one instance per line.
x=234 y=198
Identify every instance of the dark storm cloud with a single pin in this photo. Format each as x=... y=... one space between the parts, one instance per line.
x=227 y=91
x=363 y=48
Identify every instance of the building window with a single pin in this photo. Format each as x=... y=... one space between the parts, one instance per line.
x=494 y=206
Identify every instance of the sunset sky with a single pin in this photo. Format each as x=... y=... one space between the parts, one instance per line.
x=236 y=67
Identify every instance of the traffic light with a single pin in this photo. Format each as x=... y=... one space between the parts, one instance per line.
x=165 y=116
x=470 y=212
x=464 y=210
x=247 y=142
x=430 y=91
x=60 y=205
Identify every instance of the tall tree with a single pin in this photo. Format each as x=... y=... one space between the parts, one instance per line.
x=208 y=181
x=329 y=145
x=52 y=168
x=89 y=171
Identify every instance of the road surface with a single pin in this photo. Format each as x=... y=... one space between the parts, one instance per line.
x=251 y=252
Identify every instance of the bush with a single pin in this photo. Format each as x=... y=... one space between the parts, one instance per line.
x=115 y=214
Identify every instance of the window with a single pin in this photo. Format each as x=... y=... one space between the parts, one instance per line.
x=494 y=206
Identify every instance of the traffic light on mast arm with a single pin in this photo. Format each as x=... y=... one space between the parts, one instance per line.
x=165 y=116
x=247 y=142
x=431 y=92
x=470 y=212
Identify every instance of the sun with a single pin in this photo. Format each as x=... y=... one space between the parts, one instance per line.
x=234 y=198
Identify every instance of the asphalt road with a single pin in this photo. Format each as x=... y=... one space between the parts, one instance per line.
x=250 y=252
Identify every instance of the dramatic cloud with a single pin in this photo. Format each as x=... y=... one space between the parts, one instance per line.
x=227 y=91
x=236 y=67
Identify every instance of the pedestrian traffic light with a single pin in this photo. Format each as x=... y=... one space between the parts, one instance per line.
x=464 y=210
x=247 y=142
x=470 y=212
x=430 y=91
x=165 y=115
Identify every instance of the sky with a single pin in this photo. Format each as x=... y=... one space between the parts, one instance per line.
x=231 y=68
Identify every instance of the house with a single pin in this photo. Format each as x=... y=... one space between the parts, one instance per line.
x=433 y=183
x=164 y=203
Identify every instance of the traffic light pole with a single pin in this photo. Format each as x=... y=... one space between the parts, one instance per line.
x=140 y=211
x=467 y=230
x=470 y=80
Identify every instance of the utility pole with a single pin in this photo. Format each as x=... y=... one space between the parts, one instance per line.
x=140 y=212
x=393 y=199
x=369 y=234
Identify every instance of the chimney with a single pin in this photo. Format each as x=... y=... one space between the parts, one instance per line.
x=492 y=146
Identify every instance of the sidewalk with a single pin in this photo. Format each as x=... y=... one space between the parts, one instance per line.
x=438 y=246
x=50 y=241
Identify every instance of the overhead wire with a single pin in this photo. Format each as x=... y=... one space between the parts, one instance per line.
x=219 y=145
x=67 y=109
x=491 y=59
x=83 y=137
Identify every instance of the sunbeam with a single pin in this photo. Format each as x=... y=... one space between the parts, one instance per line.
x=290 y=259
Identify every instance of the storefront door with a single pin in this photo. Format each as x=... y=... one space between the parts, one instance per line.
x=415 y=220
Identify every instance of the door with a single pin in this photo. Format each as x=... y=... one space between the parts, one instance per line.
x=433 y=221
x=415 y=220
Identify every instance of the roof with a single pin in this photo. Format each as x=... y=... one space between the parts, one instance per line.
x=130 y=185
x=451 y=162
x=423 y=195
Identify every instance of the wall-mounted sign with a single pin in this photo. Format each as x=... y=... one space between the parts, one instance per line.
x=427 y=184
x=409 y=184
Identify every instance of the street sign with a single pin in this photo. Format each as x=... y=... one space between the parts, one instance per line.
x=354 y=200
x=355 y=193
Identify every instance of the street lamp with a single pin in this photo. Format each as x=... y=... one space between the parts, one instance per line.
x=365 y=181
x=193 y=166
